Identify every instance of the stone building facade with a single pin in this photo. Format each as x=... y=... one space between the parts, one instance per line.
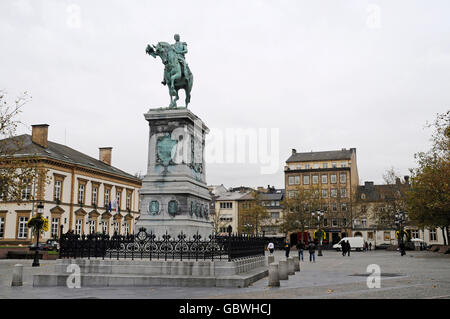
x=76 y=192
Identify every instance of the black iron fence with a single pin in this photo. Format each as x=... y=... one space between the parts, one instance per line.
x=147 y=246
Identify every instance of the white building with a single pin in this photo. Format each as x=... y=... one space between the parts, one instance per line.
x=78 y=194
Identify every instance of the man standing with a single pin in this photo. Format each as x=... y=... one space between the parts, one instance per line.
x=370 y=246
x=287 y=246
x=300 y=248
x=270 y=246
x=344 y=248
x=312 y=252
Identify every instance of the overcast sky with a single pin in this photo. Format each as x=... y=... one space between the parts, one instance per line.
x=325 y=75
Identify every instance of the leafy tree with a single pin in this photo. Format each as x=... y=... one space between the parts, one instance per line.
x=253 y=214
x=16 y=173
x=429 y=196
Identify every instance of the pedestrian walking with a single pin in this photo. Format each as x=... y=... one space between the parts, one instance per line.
x=348 y=248
x=271 y=247
x=300 y=248
x=312 y=252
x=402 y=249
x=287 y=247
x=344 y=248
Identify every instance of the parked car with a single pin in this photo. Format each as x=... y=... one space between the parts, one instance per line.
x=42 y=246
x=382 y=246
x=356 y=243
x=419 y=242
x=52 y=244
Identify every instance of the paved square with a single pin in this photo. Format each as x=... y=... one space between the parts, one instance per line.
x=416 y=275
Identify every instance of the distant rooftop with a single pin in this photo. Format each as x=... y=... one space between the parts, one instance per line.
x=63 y=153
x=344 y=154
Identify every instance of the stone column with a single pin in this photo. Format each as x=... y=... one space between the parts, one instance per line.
x=270 y=259
x=296 y=264
x=17 y=275
x=291 y=267
x=274 y=279
x=283 y=270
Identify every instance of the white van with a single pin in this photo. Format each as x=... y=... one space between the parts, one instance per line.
x=356 y=243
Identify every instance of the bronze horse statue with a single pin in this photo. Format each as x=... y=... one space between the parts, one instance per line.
x=175 y=76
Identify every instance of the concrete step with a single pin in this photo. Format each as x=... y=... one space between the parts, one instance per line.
x=130 y=280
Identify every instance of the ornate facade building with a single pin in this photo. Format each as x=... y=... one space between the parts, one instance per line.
x=81 y=193
x=334 y=174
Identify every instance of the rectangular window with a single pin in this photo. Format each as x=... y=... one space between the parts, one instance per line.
x=297 y=180
x=291 y=194
x=106 y=226
x=305 y=179
x=316 y=166
x=343 y=192
x=128 y=200
x=94 y=195
x=415 y=234
x=127 y=228
x=55 y=226
x=364 y=222
x=325 y=165
x=107 y=194
x=324 y=179
x=315 y=179
x=334 y=207
x=433 y=234
x=23 y=229
x=118 y=197
x=325 y=222
x=333 y=192
x=78 y=225
x=92 y=226
x=299 y=166
x=307 y=166
x=26 y=191
x=343 y=164
x=343 y=178
x=387 y=235
x=226 y=205
x=333 y=165
x=324 y=193
x=291 y=180
x=2 y=227
x=344 y=222
x=325 y=207
x=344 y=207
x=116 y=227
x=275 y=215
x=333 y=178
x=334 y=222
x=57 y=190
x=81 y=194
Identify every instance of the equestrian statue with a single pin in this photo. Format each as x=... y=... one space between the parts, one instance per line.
x=177 y=74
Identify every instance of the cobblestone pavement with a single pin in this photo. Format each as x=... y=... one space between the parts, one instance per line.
x=416 y=275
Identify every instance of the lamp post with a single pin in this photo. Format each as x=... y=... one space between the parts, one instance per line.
x=400 y=219
x=319 y=215
x=40 y=210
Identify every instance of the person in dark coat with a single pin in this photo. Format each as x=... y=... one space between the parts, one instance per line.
x=312 y=252
x=348 y=248
x=344 y=247
x=402 y=249
x=287 y=247
x=370 y=246
x=300 y=248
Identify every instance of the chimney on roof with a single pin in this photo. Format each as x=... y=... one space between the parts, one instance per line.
x=105 y=154
x=368 y=185
x=39 y=134
x=406 y=177
x=294 y=151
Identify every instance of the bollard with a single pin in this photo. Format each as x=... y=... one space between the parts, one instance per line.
x=270 y=259
x=291 y=267
x=274 y=278
x=283 y=270
x=296 y=264
x=17 y=275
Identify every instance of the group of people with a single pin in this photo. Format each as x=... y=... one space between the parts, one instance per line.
x=345 y=245
x=300 y=247
x=367 y=246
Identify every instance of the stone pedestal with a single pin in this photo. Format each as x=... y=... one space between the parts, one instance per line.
x=174 y=193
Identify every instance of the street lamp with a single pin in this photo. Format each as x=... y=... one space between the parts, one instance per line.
x=40 y=210
x=319 y=215
x=400 y=219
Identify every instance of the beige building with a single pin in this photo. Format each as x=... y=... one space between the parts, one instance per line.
x=335 y=175
x=77 y=196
